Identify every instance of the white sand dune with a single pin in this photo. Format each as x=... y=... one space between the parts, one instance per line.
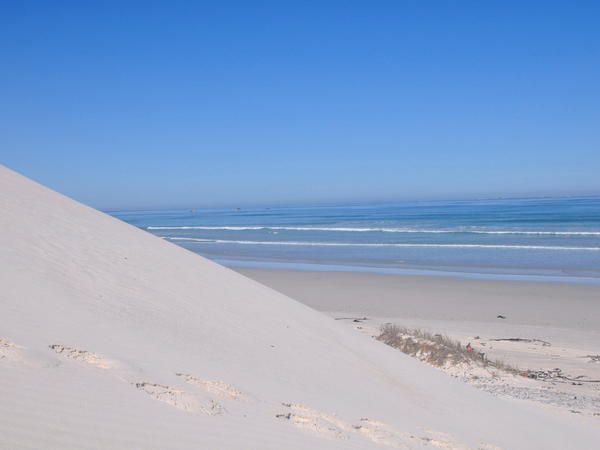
x=113 y=338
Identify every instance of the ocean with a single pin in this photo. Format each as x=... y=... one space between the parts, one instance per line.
x=543 y=238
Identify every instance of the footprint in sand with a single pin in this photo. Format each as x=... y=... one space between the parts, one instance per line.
x=437 y=439
x=219 y=388
x=9 y=350
x=181 y=399
x=320 y=423
x=384 y=434
x=380 y=433
x=82 y=355
x=175 y=397
x=328 y=425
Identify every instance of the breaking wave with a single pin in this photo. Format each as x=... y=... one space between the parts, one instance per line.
x=381 y=230
x=356 y=244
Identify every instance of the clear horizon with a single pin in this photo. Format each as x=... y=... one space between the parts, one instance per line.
x=134 y=106
x=366 y=204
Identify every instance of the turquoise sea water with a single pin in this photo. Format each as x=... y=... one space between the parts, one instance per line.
x=550 y=238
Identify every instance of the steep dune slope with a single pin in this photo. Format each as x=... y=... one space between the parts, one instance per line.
x=113 y=338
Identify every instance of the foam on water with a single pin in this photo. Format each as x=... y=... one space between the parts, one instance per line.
x=383 y=230
x=351 y=244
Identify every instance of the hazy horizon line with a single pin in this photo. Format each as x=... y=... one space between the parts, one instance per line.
x=365 y=203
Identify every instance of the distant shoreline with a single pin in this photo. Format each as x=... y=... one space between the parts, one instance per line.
x=539 y=304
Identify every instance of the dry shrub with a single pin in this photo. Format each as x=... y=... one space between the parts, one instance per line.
x=435 y=349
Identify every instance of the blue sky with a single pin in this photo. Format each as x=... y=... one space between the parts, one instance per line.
x=181 y=104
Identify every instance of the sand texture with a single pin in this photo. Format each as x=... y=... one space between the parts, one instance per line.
x=112 y=338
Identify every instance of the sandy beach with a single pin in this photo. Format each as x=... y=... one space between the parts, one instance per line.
x=300 y=226
x=111 y=337
x=530 y=325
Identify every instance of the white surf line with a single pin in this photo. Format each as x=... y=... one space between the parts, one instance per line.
x=382 y=230
x=345 y=244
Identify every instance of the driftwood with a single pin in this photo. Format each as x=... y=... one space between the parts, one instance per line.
x=556 y=375
x=353 y=319
x=544 y=343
